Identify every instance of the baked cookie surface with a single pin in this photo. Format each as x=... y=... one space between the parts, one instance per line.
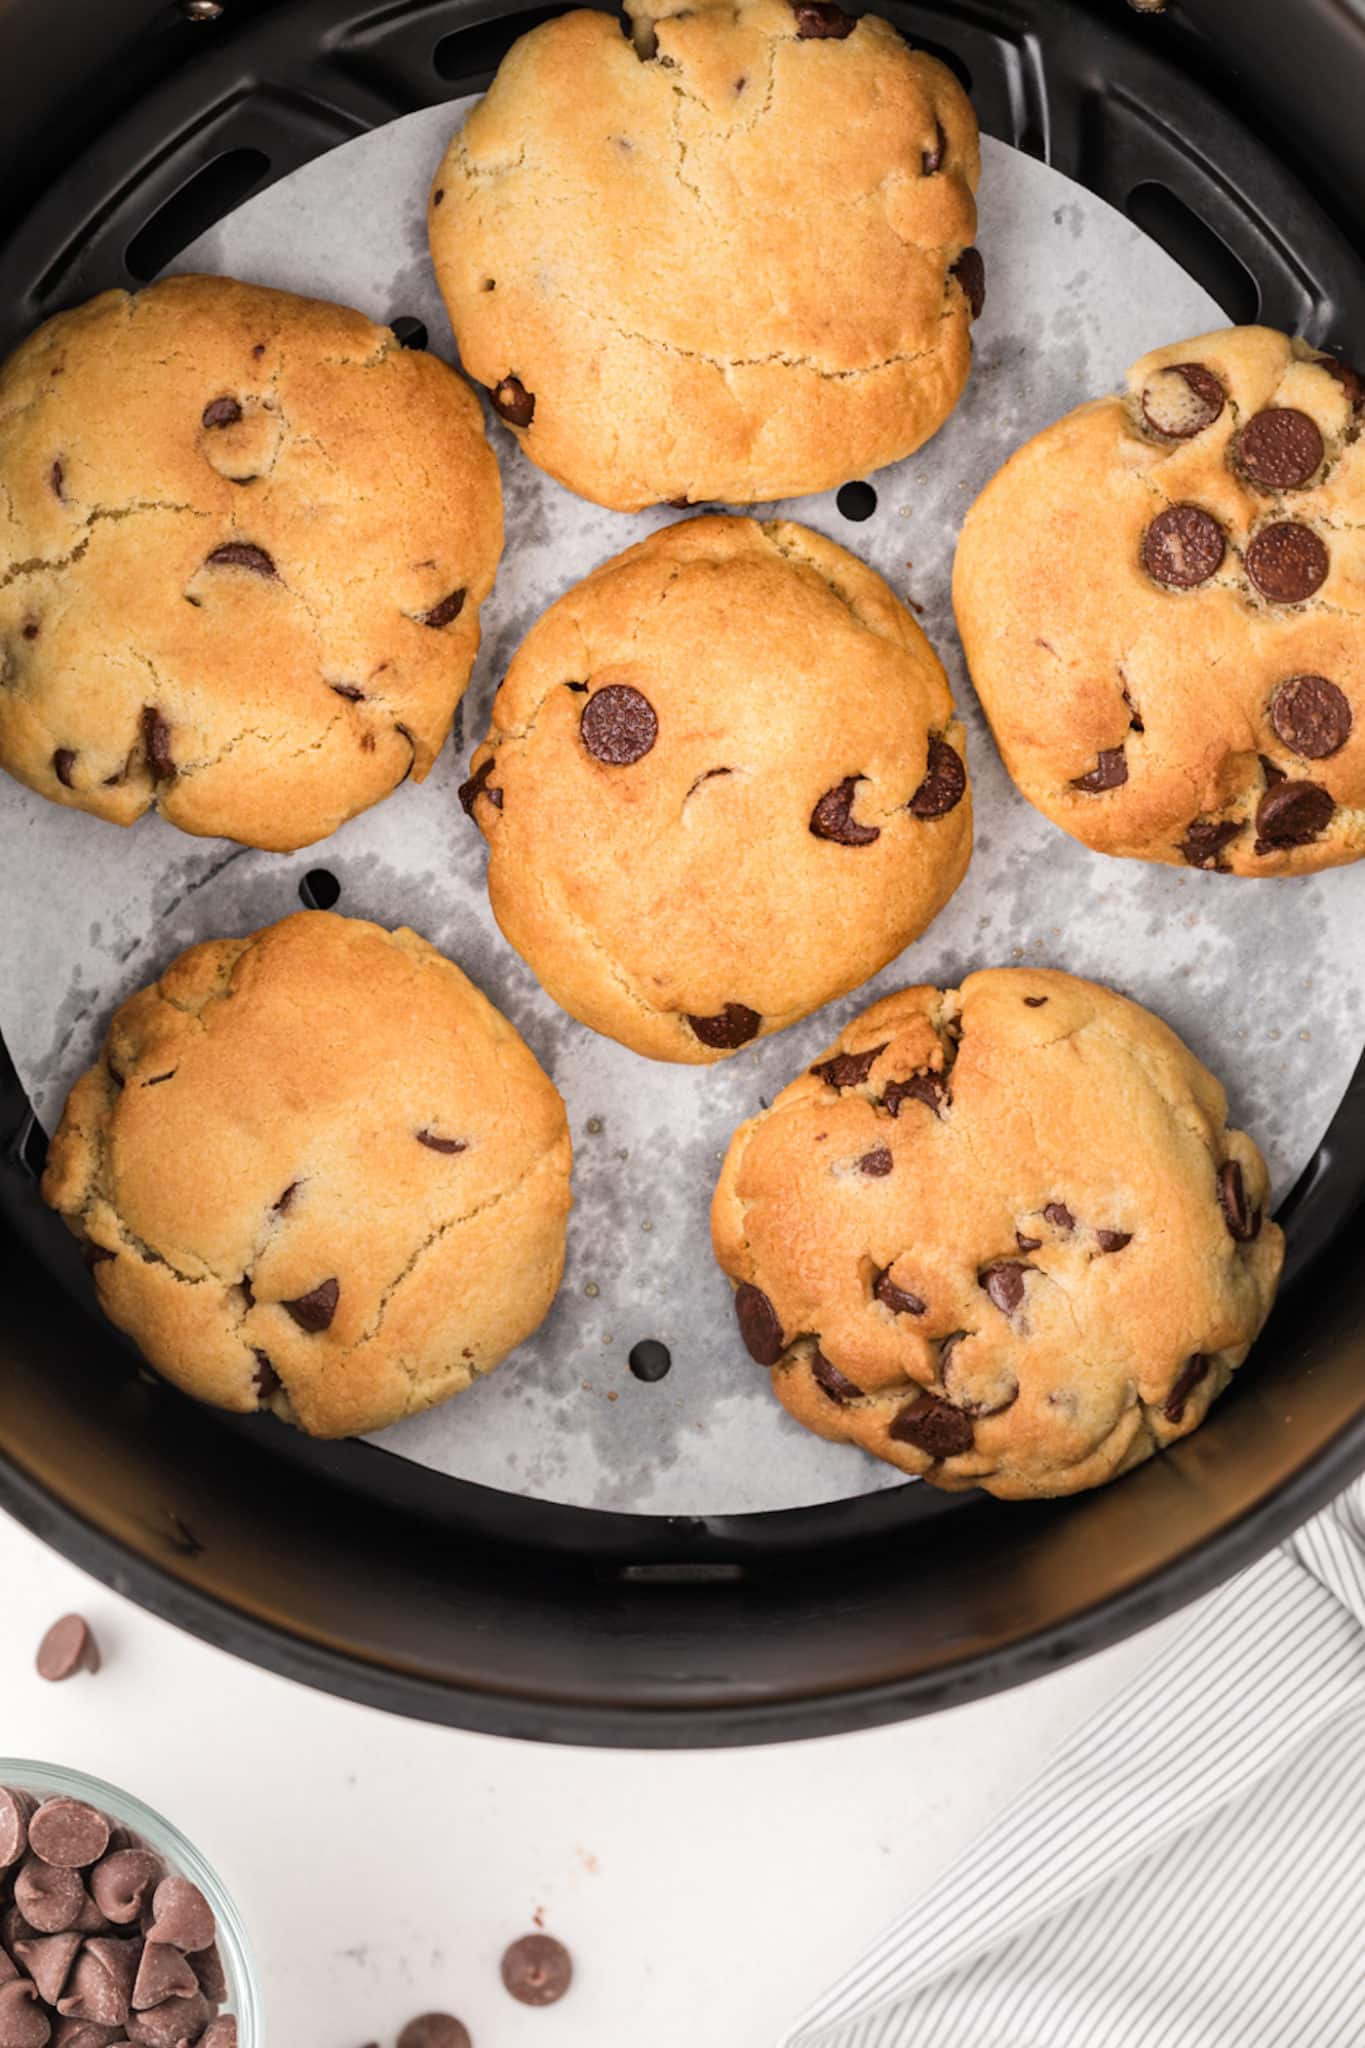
x=723 y=784
x=1162 y=602
x=317 y=1172
x=1000 y=1236
x=244 y=538
x=731 y=260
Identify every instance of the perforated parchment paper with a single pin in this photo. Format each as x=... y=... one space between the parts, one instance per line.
x=1263 y=979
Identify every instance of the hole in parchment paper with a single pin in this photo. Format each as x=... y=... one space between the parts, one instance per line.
x=319 y=889
x=201 y=201
x=411 y=332
x=1197 y=249
x=856 y=501
x=650 y=1360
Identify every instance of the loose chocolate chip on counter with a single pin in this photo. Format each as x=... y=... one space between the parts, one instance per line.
x=1182 y=400
x=898 y=1299
x=1193 y=1372
x=1059 y=1216
x=933 y=1426
x=1292 y=814
x=833 y=817
x=470 y=792
x=1183 y=547
x=1280 y=449
x=441 y=614
x=1242 y=1220
x=434 y=2030
x=171 y=2025
x=435 y=1144
x=1113 y=1240
x=970 y=272
x=222 y=412
x=68 y=1647
x=618 y=725
x=513 y=402
x=222 y=2032
x=731 y=1027
x=931 y=160
x=63 y=761
x=162 y=1972
x=181 y=1914
x=49 y=1899
x=123 y=1881
x=23 y=2023
x=241 y=554
x=944 y=784
x=156 y=742
x=1287 y=562
x=847 y=1069
x=758 y=1324
x=15 y=1809
x=48 y=1959
x=1004 y=1283
x=829 y=1378
x=1204 y=842
x=537 y=1970
x=312 y=1312
x=1109 y=772
x=877 y=1163
x=1311 y=716
x=1027 y=1244
x=930 y=1089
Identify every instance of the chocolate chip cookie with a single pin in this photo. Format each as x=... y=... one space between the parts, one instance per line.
x=1162 y=601
x=723 y=784
x=730 y=258
x=244 y=538
x=317 y=1172
x=1000 y=1236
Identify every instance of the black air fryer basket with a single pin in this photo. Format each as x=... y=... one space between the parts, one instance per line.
x=1232 y=135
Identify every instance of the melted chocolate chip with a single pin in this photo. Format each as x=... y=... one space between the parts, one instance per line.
x=1182 y=400
x=435 y=1144
x=156 y=741
x=56 y=477
x=758 y=1324
x=847 y=1069
x=618 y=726
x=1191 y=1375
x=820 y=21
x=933 y=1426
x=1109 y=772
x=930 y=1089
x=265 y=1379
x=1351 y=381
x=513 y=402
x=1026 y=1244
x=222 y=412
x=1034 y=1002
x=1287 y=562
x=1113 y=1240
x=970 y=272
x=63 y=761
x=931 y=160
x=1292 y=814
x=1280 y=449
x=348 y=691
x=944 y=784
x=471 y=791
x=537 y=1970
x=1242 y=1220
x=898 y=1299
x=1004 y=1283
x=1205 y=840
x=1183 y=547
x=733 y=1026
x=241 y=554
x=1059 y=1216
x=877 y=1164
x=441 y=614
x=314 y=1311
x=1311 y=716
x=831 y=1380
x=833 y=817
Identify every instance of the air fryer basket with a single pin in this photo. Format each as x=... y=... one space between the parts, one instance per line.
x=125 y=131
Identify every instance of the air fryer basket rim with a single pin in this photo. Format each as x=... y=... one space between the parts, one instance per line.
x=626 y=1629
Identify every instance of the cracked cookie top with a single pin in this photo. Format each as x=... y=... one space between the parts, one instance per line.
x=244 y=538
x=1162 y=602
x=1001 y=1236
x=730 y=259
x=317 y=1172
x=723 y=784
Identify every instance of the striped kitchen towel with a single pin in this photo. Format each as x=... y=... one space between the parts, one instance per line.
x=1188 y=1872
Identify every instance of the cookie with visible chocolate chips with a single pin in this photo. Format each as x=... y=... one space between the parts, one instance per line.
x=1060 y=1261
x=244 y=539
x=1162 y=602
x=321 y=1174
x=723 y=784
x=726 y=258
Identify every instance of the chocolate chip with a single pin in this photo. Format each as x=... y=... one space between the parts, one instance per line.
x=174 y=2024
x=101 y=1982
x=944 y=784
x=1034 y=1002
x=48 y=1959
x=15 y=1809
x=312 y=1312
x=1205 y=840
x=1004 y=1283
x=434 y=2030
x=441 y=614
x=733 y=1026
x=820 y=21
x=970 y=272
x=618 y=725
x=68 y=1647
x=758 y=1324
x=1193 y=1372
x=898 y=1299
x=156 y=742
x=878 y=1164
x=86 y=2034
x=930 y=1089
x=1280 y=449
x=23 y=2023
x=241 y=554
x=207 y=1965
x=265 y=1379
x=56 y=477
x=513 y=402
x=1113 y=1240
x=1059 y=1216
x=438 y=195
x=847 y=1069
x=1026 y=1244
x=1287 y=562
x=537 y=1970
x=181 y=1914
x=1182 y=400
x=222 y=412
x=833 y=817
x=435 y=1144
x=348 y=691
x=1292 y=814
x=68 y=1833
x=1242 y=1220
x=829 y=1378
x=63 y=761
x=931 y=160
x=222 y=2032
x=1109 y=772
x=285 y=1202
x=1311 y=716
x=123 y=1882
x=471 y=791
x=933 y=1426
x=1183 y=547
x=162 y=1972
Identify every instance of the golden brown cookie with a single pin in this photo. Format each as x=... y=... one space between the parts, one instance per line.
x=730 y=260
x=723 y=784
x=317 y=1172
x=244 y=538
x=1162 y=602
x=1000 y=1236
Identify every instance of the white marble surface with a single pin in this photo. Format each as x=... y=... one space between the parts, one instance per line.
x=382 y=1866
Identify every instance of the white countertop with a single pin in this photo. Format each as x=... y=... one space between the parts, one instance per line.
x=382 y=1866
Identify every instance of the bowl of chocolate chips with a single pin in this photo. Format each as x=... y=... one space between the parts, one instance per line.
x=113 y=1928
